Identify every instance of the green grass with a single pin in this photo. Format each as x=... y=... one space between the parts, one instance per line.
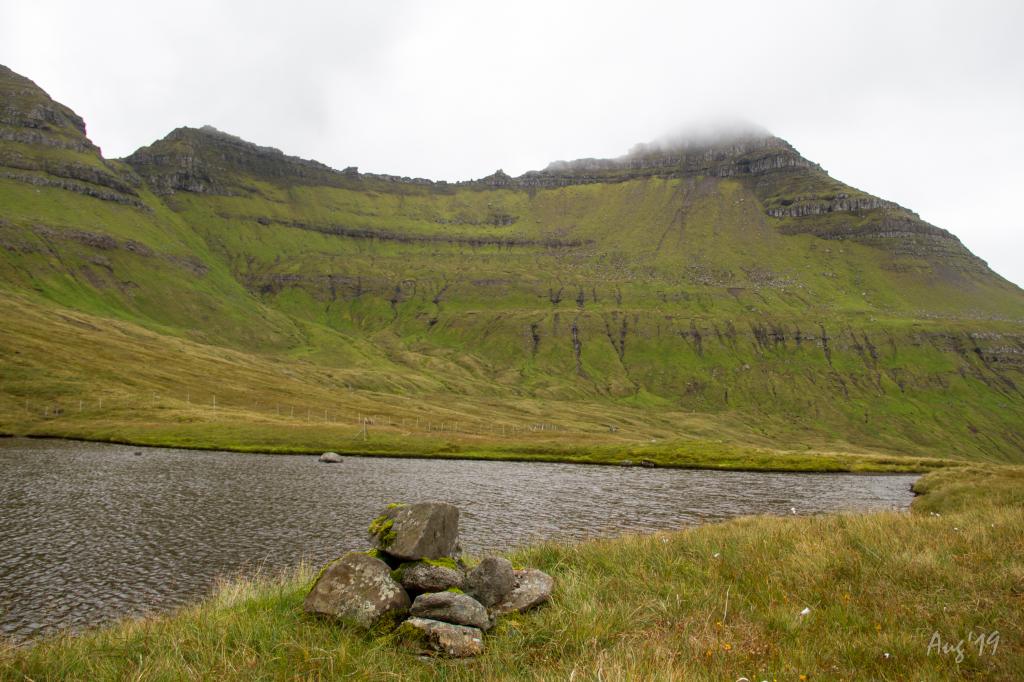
x=606 y=314
x=72 y=374
x=110 y=381
x=714 y=602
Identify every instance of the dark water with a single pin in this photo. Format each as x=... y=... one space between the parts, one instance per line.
x=90 y=532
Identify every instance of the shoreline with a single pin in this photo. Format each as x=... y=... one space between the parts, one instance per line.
x=745 y=459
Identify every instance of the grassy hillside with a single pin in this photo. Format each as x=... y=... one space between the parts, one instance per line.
x=714 y=602
x=675 y=299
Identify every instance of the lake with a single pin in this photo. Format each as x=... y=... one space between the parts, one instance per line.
x=93 y=532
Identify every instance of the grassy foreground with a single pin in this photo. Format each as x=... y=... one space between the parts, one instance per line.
x=885 y=591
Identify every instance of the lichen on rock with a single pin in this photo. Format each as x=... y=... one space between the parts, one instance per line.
x=357 y=589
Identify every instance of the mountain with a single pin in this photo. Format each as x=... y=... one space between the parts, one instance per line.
x=695 y=291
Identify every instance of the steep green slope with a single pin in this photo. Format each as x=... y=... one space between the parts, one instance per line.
x=701 y=290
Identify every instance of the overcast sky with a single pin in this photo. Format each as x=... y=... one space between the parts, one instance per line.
x=921 y=103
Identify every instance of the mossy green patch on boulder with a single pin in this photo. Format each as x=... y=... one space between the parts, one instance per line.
x=443 y=562
x=382 y=530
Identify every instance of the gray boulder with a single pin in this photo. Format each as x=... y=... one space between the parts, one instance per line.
x=491 y=581
x=532 y=588
x=358 y=589
x=331 y=458
x=428 y=635
x=451 y=607
x=426 y=530
x=424 y=577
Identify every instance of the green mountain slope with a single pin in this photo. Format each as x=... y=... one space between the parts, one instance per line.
x=689 y=292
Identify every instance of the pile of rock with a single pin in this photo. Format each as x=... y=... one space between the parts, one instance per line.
x=415 y=582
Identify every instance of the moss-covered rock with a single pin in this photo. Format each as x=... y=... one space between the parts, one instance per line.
x=357 y=589
x=425 y=530
x=382 y=531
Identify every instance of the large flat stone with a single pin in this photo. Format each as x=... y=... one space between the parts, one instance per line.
x=424 y=577
x=451 y=607
x=429 y=635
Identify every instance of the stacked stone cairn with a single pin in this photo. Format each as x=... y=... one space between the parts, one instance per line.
x=415 y=583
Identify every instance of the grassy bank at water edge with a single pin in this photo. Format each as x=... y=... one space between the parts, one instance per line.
x=885 y=592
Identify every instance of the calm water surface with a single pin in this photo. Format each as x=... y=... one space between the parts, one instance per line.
x=92 y=532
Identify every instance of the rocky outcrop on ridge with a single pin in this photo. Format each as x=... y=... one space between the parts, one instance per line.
x=797 y=193
x=745 y=154
x=208 y=161
x=46 y=145
x=28 y=115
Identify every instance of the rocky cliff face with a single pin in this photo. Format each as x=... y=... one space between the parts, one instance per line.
x=746 y=155
x=44 y=144
x=29 y=116
x=208 y=161
x=798 y=195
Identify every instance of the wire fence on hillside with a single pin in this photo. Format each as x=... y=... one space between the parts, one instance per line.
x=195 y=408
